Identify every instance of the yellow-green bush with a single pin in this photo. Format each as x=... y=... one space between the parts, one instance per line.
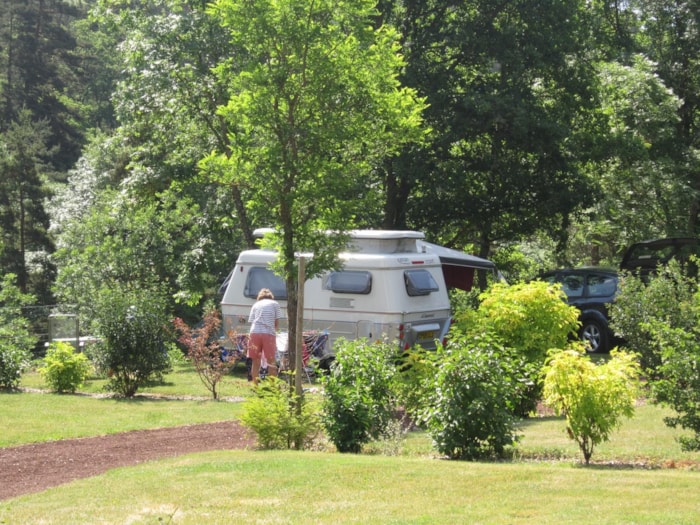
x=529 y=318
x=280 y=418
x=64 y=369
x=592 y=397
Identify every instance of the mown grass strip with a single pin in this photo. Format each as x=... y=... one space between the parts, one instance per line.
x=32 y=418
x=313 y=487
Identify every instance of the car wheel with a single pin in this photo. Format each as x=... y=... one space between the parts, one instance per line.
x=594 y=335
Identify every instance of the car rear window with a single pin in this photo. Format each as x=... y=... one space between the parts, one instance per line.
x=651 y=255
x=647 y=256
x=571 y=284
x=601 y=285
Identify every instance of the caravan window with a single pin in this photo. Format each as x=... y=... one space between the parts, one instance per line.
x=260 y=277
x=419 y=282
x=350 y=282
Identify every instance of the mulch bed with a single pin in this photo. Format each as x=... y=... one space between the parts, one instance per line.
x=32 y=468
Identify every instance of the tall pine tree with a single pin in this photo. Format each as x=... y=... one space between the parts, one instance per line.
x=23 y=220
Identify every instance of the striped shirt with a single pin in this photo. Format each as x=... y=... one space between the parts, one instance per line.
x=263 y=315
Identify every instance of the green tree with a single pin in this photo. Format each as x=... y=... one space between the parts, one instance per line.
x=100 y=168
x=24 y=222
x=122 y=241
x=167 y=99
x=613 y=28
x=41 y=72
x=635 y=160
x=592 y=397
x=16 y=341
x=315 y=105
x=670 y=38
x=505 y=83
x=165 y=103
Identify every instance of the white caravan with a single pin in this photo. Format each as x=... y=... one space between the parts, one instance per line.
x=392 y=284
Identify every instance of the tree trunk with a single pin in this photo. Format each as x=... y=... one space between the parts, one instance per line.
x=396 y=192
x=484 y=248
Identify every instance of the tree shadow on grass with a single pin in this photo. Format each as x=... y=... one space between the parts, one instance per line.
x=531 y=421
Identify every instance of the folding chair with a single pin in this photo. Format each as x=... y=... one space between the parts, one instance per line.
x=241 y=352
x=314 y=352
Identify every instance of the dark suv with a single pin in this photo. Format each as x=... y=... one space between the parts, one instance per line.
x=590 y=290
x=642 y=258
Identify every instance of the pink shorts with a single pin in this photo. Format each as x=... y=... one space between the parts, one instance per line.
x=262 y=344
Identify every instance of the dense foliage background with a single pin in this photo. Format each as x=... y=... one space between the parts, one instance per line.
x=552 y=132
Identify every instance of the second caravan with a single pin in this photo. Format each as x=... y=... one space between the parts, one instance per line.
x=392 y=284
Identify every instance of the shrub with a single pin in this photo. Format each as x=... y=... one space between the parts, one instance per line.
x=592 y=397
x=665 y=299
x=531 y=318
x=279 y=417
x=518 y=262
x=678 y=385
x=660 y=319
x=175 y=355
x=358 y=403
x=390 y=441
x=132 y=326
x=469 y=413
x=413 y=381
x=204 y=350
x=63 y=368
x=14 y=361
x=16 y=341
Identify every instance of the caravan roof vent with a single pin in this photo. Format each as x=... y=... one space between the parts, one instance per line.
x=384 y=241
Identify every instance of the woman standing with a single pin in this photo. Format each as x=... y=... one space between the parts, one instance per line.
x=264 y=323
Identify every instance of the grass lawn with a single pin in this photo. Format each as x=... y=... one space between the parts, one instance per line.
x=35 y=417
x=31 y=418
x=640 y=476
x=182 y=381
x=313 y=487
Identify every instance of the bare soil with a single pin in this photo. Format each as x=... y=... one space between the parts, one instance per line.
x=32 y=468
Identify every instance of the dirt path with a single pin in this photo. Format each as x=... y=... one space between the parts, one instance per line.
x=32 y=468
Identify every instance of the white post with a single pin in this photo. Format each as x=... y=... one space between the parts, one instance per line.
x=298 y=357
